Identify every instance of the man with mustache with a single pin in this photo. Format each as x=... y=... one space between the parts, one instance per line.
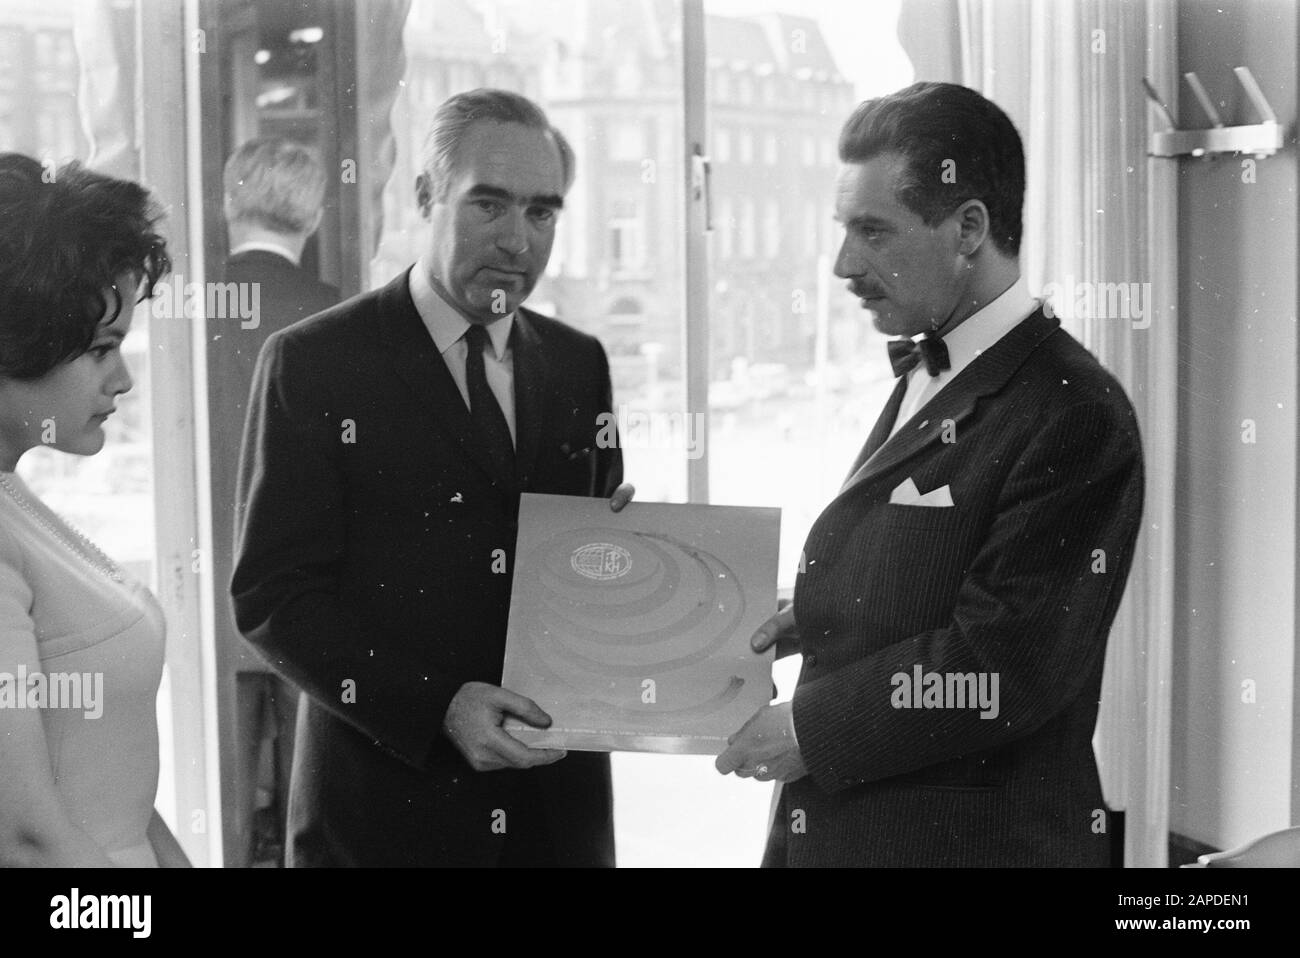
x=954 y=599
x=388 y=442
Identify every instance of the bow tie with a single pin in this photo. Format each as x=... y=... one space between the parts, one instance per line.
x=904 y=354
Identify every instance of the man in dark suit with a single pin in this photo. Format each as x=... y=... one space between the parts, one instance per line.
x=387 y=446
x=954 y=599
x=274 y=192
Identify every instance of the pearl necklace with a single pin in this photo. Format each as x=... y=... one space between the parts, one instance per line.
x=82 y=547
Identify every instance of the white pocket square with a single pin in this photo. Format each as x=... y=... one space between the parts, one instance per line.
x=906 y=494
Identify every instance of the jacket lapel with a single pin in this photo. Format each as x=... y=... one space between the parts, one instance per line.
x=986 y=375
x=421 y=366
x=532 y=374
x=880 y=431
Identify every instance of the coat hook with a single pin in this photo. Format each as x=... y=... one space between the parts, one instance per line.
x=1262 y=139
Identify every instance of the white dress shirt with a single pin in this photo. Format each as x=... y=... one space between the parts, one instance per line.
x=447 y=327
x=979 y=331
x=265 y=247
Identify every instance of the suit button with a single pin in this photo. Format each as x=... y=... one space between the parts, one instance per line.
x=810 y=660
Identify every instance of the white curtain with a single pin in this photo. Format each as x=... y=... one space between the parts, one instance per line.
x=104 y=33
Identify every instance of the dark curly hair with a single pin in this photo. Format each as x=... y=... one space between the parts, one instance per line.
x=64 y=241
x=933 y=124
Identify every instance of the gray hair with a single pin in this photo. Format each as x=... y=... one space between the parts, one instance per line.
x=454 y=117
x=275 y=183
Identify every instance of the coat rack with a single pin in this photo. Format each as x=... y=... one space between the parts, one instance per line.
x=1262 y=139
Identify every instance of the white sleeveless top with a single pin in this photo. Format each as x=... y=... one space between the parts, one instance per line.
x=63 y=613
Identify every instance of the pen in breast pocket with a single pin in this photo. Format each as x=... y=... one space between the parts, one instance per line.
x=567 y=450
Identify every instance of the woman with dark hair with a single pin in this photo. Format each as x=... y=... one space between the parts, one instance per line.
x=81 y=644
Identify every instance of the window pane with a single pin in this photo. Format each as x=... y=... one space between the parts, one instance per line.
x=610 y=76
x=797 y=374
x=610 y=79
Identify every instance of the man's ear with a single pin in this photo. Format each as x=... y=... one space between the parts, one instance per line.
x=973 y=224
x=423 y=194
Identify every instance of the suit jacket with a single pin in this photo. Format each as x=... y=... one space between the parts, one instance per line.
x=1020 y=578
x=286 y=294
x=368 y=573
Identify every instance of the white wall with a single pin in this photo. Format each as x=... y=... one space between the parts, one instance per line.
x=1234 y=762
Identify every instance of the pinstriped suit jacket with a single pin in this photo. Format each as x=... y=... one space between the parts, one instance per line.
x=1021 y=578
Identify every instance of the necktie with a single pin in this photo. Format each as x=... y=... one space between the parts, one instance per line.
x=484 y=411
x=904 y=354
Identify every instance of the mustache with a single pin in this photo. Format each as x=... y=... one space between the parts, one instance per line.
x=865 y=290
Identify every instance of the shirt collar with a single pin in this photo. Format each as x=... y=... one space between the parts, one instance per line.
x=265 y=247
x=987 y=325
x=445 y=323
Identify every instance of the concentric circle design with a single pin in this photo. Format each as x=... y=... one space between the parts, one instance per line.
x=637 y=616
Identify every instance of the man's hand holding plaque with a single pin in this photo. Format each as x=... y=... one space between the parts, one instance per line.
x=478 y=711
x=765 y=748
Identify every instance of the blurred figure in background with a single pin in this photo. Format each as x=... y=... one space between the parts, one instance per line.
x=274 y=191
